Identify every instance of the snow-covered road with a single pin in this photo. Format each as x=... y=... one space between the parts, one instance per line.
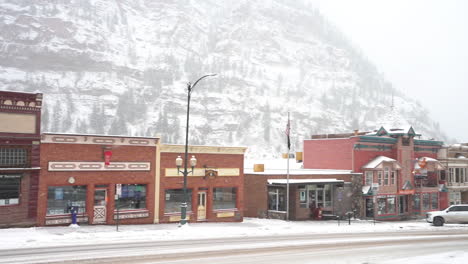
x=262 y=240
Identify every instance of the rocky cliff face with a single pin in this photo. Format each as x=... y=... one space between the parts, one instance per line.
x=121 y=67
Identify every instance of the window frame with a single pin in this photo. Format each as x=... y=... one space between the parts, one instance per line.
x=118 y=202
x=11 y=201
x=235 y=194
x=189 y=202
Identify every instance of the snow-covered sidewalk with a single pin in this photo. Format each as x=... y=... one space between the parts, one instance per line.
x=88 y=234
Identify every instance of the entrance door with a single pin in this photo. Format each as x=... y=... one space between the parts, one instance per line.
x=201 y=209
x=369 y=207
x=403 y=204
x=100 y=206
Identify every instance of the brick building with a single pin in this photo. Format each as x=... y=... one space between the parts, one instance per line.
x=20 y=124
x=216 y=190
x=87 y=171
x=265 y=186
x=455 y=159
x=401 y=175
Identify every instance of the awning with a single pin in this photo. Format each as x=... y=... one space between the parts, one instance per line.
x=380 y=161
x=366 y=190
x=303 y=181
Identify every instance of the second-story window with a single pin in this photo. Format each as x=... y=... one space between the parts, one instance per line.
x=379 y=177
x=386 y=175
x=369 y=178
x=392 y=178
x=458 y=175
x=13 y=157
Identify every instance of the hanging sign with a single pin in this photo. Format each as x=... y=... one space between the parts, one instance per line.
x=107 y=157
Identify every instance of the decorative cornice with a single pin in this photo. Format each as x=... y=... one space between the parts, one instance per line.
x=98 y=166
x=378 y=147
x=428 y=142
x=203 y=149
x=434 y=150
x=377 y=139
x=98 y=140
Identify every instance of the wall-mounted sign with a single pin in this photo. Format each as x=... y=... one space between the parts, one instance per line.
x=210 y=173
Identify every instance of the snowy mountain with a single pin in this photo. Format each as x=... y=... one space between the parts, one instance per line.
x=121 y=67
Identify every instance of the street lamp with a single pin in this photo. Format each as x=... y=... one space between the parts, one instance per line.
x=193 y=161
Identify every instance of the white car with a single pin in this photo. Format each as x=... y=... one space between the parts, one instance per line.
x=454 y=214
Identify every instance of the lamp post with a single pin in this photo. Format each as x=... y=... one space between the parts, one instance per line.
x=193 y=160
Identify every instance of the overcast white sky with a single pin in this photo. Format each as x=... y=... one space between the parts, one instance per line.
x=420 y=45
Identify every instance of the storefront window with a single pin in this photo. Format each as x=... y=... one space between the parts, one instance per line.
x=381 y=206
x=276 y=199
x=133 y=196
x=61 y=199
x=416 y=202
x=426 y=201
x=435 y=201
x=391 y=208
x=224 y=198
x=9 y=189
x=174 y=198
x=328 y=200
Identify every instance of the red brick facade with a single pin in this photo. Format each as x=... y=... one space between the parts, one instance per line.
x=227 y=162
x=398 y=184
x=85 y=152
x=20 y=119
x=256 y=194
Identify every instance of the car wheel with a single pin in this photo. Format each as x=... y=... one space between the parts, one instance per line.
x=438 y=221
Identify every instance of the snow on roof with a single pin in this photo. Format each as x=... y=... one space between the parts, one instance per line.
x=300 y=181
x=279 y=167
x=299 y=172
x=273 y=164
x=376 y=163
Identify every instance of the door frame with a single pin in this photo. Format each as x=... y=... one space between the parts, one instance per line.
x=202 y=209
x=100 y=209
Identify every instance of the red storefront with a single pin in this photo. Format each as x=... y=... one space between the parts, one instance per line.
x=20 y=124
x=215 y=188
x=102 y=177
x=401 y=176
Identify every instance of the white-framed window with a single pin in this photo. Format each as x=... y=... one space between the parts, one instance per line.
x=369 y=179
x=379 y=177
x=386 y=175
x=276 y=199
x=392 y=177
x=457 y=175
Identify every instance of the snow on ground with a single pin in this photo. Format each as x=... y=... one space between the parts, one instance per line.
x=91 y=234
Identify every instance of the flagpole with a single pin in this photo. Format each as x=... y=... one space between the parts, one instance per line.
x=287 y=175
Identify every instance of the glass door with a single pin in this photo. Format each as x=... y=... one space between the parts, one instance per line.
x=201 y=208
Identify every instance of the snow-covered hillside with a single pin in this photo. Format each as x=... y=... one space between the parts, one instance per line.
x=121 y=67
